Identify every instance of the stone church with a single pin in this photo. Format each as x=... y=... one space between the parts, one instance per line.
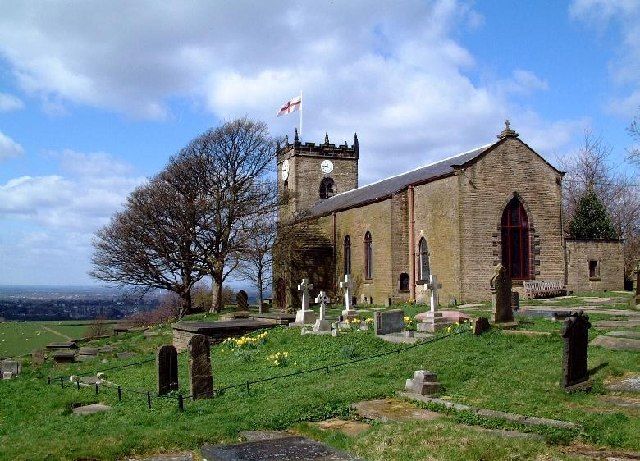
x=456 y=218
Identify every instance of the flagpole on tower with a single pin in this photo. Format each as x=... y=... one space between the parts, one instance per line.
x=300 y=113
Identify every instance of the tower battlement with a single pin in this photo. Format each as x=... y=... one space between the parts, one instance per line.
x=324 y=150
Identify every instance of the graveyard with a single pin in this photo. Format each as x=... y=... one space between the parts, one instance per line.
x=500 y=394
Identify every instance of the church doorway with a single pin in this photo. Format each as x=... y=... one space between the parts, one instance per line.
x=515 y=240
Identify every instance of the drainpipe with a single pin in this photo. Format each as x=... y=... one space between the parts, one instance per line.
x=335 y=255
x=412 y=247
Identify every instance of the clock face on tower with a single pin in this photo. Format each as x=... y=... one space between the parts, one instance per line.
x=285 y=170
x=326 y=166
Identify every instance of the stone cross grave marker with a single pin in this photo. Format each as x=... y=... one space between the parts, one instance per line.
x=167 y=363
x=305 y=315
x=322 y=324
x=501 y=295
x=575 y=332
x=347 y=286
x=200 y=377
x=434 y=286
x=242 y=300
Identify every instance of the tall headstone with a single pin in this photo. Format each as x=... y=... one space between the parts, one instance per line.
x=433 y=321
x=575 y=333
x=242 y=300
x=434 y=286
x=635 y=300
x=501 y=295
x=167 y=363
x=305 y=315
x=347 y=286
x=322 y=324
x=200 y=377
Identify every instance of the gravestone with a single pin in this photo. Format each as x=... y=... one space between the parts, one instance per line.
x=347 y=286
x=635 y=300
x=433 y=321
x=386 y=322
x=305 y=315
x=167 y=363
x=200 y=377
x=515 y=301
x=423 y=383
x=10 y=366
x=242 y=300
x=322 y=324
x=481 y=325
x=501 y=295
x=575 y=332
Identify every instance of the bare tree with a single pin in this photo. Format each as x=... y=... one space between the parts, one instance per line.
x=228 y=167
x=257 y=258
x=590 y=169
x=634 y=132
x=152 y=242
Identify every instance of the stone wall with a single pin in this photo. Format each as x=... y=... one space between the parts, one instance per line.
x=355 y=222
x=436 y=219
x=609 y=255
x=486 y=187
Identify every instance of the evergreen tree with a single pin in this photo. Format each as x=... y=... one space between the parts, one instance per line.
x=590 y=219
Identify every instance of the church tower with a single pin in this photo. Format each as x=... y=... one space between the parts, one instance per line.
x=309 y=173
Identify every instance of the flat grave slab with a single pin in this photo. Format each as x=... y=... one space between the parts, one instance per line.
x=91 y=409
x=347 y=427
x=393 y=410
x=65 y=345
x=64 y=356
x=215 y=331
x=625 y=334
x=616 y=343
x=292 y=448
x=278 y=318
x=617 y=324
x=629 y=383
x=184 y=456
x=401 y=338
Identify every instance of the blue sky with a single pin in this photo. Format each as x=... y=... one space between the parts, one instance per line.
x=95 y=96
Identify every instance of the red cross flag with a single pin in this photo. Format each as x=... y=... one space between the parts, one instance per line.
x=290 y=106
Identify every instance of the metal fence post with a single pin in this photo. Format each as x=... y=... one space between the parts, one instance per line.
x=119 y=394
x=180 y=402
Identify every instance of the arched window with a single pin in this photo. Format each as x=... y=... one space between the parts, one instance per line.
x=424 y=271
x=327 y=188
x=347 y=254
x=368 y=256
x=515 y=240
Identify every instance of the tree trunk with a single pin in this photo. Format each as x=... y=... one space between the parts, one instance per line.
x=260 y=293
x=186 y=307
x=214 y=295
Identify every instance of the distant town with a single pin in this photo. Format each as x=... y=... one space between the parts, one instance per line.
x=72 y=303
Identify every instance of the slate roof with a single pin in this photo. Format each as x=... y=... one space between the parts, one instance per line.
x=394 y=184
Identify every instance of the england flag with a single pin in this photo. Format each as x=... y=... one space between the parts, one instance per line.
x=290 y=106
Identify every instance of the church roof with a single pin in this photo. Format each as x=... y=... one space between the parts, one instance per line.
x=394 y=184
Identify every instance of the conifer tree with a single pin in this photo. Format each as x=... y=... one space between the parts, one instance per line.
x=590 y=219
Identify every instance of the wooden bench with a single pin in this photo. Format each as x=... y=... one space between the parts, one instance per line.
x=543 y=289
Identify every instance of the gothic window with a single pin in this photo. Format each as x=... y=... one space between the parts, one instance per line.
x=368 y=256
x=347 y=254
x=515 y=240
x=423 y=261
x=404 y=282
x=327 y=188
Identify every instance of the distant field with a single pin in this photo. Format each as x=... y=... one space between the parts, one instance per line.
x=19 y=338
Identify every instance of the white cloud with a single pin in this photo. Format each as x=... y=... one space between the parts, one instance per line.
x=393 y=72
x=94 y=186
x=624 y=69
x=8 y=147
x=9 y=102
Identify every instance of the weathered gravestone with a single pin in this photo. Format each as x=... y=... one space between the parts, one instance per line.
x=242 y=300
x=200 y=377
x=387 y=322
x=501 y=295
x=575 y=332
x=423 y=383
x=321 y=323
x=635 y=300
x=305 y=315
x=167 y=363
x=481 y=325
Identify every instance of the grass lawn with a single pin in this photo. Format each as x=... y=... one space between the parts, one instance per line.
x=20 y=338
x=518 y=374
